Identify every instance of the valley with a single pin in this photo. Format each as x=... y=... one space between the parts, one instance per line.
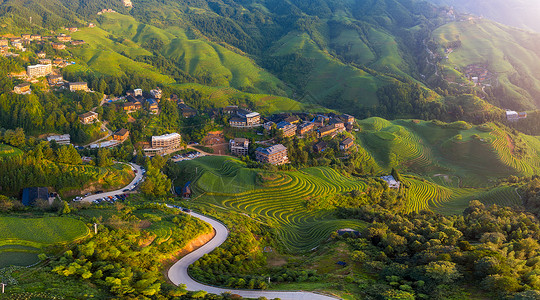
x=291 y=149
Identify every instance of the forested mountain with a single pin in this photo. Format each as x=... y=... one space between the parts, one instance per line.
x=376 y=57
x=518 y=13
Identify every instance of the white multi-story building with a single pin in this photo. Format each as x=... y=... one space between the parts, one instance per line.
x=39 y=70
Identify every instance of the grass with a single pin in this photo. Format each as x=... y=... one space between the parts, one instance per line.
x=506 y=51
x=8 y=151
x=40 y=232
x=329 y=77
x=22 y=238
x=279 y=203
x=200 y=58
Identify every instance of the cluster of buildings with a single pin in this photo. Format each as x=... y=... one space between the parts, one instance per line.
x=479 y=74
x=514 y=116
x=324 y=125
x=18 y=43
x=135 y=101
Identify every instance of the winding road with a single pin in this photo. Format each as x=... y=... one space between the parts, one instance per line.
x=138 y=177
x=178 y=273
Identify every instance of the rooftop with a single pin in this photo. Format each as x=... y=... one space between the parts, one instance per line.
x=272 y=150
x=346 y=141
x=166 y=136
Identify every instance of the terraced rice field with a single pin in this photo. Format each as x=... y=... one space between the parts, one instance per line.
x=503 y=195
x=423 y=195
x=282 y=206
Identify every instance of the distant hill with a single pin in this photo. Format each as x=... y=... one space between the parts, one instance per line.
x=508 y=55
x=518 y=13
x=361 y=57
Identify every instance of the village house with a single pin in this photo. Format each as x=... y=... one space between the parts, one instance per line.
x=391 y=181
x=26 y=36
x=78 y=86
x=286 y=128
x=4 y=42
x=121 y=135
x=22 y=89
x=337 y=123
x=88 y=118
x=35 y=37
x=58 y=62
x=239 y=146
x=55 y=79
x=514 y=116
x=58 y=46
x=305 y=128
x=152 y=106
x=348 y=119
x=91 y=25
x=231 y=109
x=268 y=125
x=275 y=155
x=45 y=61
x=17 y=45
x=38 y=70
x=78 y=42
x=41 y=55
x=327 y=130
x=64 y=139
x=186 y=191
x=132 y=106
x=319 y=120
x=292 y=119
x=63 y=38
x=346 y=144
x=187 y=111
x=157 y=93
x=320 y=146
x=128 y=3
x=72 y=29
x=245 y=119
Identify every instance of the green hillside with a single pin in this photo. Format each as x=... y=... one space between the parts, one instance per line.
x=21 y=239
x=510 y=54
x=210 y=63
x=477 y=155
x=277 y=200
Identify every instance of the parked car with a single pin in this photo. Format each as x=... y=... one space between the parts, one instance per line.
x=186 y=210
x=125 y=190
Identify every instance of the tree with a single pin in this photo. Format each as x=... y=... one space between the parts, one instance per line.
x=442 y=271
x=64 y=209
x=103 y=158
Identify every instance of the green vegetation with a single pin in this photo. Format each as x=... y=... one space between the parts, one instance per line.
x=478 y=155
x=509 y=53
x=40 y=232
x=6 y=151
x=22 y=239
x=280 y=202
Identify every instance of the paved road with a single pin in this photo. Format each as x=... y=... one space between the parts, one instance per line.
x=138 y=176
x=178 y=273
